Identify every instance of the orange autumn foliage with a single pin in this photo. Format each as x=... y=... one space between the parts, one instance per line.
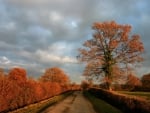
x=18 y=75
x=112 y=45
x=133 y=80
x=16 y=90
x=55 y=74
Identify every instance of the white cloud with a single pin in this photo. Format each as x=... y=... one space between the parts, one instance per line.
x=45 y=56
x=4 y=60
x=55 y=16
x=72 y=23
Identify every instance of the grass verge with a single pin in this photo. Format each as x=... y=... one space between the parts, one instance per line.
x=145 y=95
x=101 y=106
x=39 y=107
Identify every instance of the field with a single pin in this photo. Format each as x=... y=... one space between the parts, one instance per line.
x=145 y=95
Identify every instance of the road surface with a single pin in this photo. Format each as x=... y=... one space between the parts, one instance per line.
x=76 y=103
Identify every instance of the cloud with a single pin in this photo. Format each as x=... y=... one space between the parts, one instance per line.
x=46 y=56
x=37 y=34
x=55 y=17
x=4 y=60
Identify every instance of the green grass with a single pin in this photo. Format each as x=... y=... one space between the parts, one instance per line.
x=101 y=106
x=145 y=95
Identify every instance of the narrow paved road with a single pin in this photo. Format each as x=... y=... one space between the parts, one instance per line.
x=76 y=103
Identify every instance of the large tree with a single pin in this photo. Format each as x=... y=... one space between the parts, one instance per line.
x=110 y=51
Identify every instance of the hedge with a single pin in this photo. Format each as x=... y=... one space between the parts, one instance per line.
x=125 y=103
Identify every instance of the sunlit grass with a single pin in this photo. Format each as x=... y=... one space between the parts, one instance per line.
x=145 y=95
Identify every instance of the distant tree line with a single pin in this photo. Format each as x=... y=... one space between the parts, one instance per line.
x=133 y=83
x=130 y=83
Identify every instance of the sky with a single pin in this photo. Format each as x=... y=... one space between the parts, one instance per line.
x=40 y=34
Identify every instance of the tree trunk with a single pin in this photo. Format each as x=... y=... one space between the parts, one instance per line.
x=108 y=85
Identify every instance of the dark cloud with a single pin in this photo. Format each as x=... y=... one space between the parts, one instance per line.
x=37 y=34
